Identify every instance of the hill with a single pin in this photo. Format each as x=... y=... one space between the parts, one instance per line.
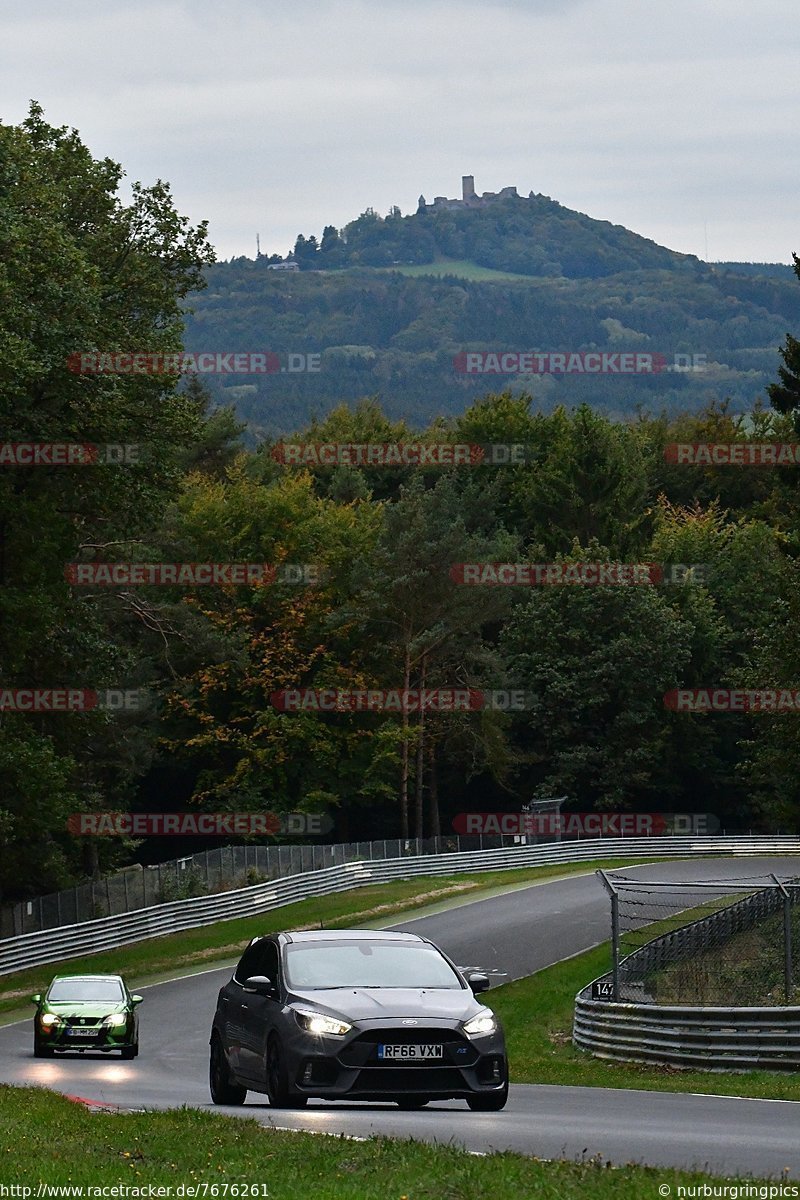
x=391 y=305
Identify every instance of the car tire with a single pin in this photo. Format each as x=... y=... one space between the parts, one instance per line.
x=411 y=1103
x=131 y=1051
x=40 y=1051
x=223 y=1091
x=278 y=1090
x=491 y=1102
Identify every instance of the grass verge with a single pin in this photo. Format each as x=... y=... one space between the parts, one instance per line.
x=164 y=957
x=50 y=1139
x=537 y=1015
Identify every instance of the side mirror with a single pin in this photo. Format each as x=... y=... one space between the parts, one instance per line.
x=478 y=982
x=137 y=999
x=261 y=985
x=37 y=999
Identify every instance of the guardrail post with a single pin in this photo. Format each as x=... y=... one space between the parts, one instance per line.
x=788 y=981
x=612 y=891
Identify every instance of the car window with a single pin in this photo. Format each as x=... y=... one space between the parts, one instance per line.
x=270 y=967
x=367 y=964
x=261 y=959
x=67 y=990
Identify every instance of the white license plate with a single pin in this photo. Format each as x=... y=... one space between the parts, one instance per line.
x=408 y=1052
x=76 y=1032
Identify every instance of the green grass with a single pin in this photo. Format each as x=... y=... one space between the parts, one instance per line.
x=463 y=269
x=537 y=1014
x=196 y=949
x=50 y=1139
x=747 y=969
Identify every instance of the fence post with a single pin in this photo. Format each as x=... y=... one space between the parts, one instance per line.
x=787 y=941
x=612 y=891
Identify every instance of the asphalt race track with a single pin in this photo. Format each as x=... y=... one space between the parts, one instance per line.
x=513 y=935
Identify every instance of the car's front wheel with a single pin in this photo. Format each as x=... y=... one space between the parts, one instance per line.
x=490 y=1102
x=41 y=1051
x=280 y=1095
x=223 y=1091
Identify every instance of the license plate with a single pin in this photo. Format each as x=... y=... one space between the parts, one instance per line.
x=82 y=1032
x=408 y=1052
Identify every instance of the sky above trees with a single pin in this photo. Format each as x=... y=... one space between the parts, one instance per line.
x=273 y=119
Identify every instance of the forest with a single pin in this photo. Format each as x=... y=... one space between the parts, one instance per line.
x=365 y=589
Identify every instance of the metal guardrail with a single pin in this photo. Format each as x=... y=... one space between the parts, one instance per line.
x=89 y=937
x=713 y=1038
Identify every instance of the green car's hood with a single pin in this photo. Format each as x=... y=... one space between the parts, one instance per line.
x=84 y=1008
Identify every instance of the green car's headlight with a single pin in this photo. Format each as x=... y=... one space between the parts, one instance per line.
x=49 y=1019
x=315 y=1022
x=484 y=1023
x=116 y=1020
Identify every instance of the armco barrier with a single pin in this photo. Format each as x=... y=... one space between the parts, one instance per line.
x=52 y=945
x=711 y=1038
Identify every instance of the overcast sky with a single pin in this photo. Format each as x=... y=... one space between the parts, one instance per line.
x=677 y=119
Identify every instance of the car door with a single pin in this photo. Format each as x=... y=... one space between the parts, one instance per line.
x=232 y=1008
x=259 y=1014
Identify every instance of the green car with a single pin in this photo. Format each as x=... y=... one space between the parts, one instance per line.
x=86 y=1012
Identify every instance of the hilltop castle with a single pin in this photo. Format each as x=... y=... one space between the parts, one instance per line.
x=469 y=197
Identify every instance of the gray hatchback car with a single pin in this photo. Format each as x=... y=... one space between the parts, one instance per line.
x=354 y=1014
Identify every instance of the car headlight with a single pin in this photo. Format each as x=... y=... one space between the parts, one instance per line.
x=48 y=1019
x=314 y=1022
x=116 y=1020
x=484 y=1023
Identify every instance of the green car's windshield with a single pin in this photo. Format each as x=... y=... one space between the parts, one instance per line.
x=107 y=991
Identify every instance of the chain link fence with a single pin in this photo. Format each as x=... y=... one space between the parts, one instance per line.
x=729 y=942
x=218 y=870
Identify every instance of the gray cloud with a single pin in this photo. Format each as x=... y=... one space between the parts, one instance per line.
x=281 y=119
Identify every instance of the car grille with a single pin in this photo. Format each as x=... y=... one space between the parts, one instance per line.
x=457 y=1050
x=391 y=1080
x=83 y=1022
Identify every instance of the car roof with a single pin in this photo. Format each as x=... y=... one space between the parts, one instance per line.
x=88 y=978
x=349 y=935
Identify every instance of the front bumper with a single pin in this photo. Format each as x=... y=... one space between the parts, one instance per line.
x=88 y=1037
x=350 y=1067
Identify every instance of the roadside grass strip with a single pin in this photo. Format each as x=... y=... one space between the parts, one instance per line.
x=48 y=1140
x=537 y=1015
x=169 y=956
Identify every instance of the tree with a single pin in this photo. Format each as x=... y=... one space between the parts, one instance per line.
x=785 y=396
x=79 y=272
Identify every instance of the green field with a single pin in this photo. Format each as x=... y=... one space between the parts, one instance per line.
x=462 y=268
x=49 y=1139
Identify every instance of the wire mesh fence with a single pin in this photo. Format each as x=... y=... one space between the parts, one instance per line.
x=218 y=870
x=729 y=942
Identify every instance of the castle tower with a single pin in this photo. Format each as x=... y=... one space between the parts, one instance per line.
x=468 y=187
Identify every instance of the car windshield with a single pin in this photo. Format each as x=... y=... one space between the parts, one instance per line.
x=367 y=964
x=104 y=990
